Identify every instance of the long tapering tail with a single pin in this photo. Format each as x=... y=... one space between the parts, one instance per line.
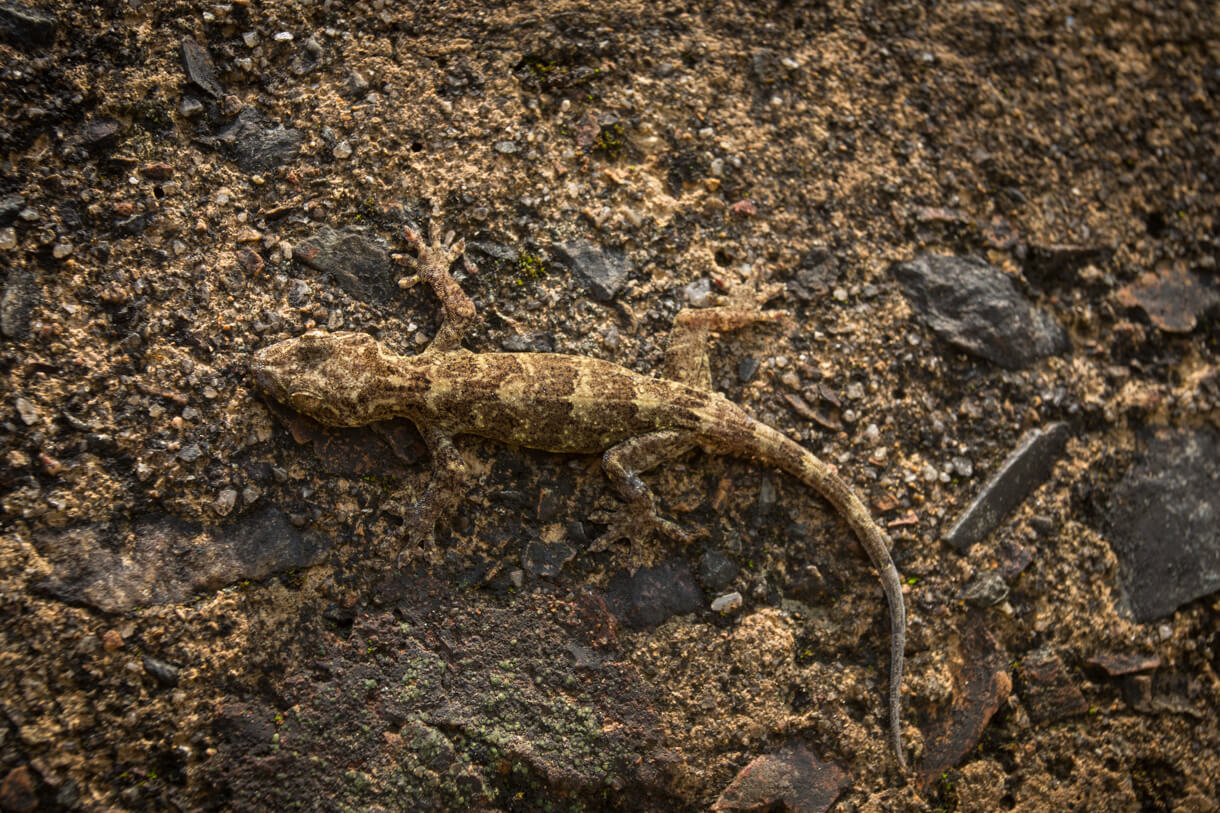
x=780 y=451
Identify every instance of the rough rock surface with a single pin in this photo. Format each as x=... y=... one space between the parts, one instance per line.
x=974 y=306
x=1165 y=520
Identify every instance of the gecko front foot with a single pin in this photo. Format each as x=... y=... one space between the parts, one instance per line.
x=637 y=527
x=434 y=256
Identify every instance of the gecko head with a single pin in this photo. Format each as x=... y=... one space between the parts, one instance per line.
x=326 y=376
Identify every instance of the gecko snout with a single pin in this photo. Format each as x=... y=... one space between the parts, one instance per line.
x=260 y=371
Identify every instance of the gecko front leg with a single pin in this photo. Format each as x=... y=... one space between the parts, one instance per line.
x=431 y=264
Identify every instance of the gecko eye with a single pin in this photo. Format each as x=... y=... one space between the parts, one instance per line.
x=311 y=405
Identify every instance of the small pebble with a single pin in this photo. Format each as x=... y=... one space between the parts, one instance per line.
x=61 y=250
x=729 y=602
x=28 y=412
x=747 y=368
x=8 y=238
x=698 y=292
x=343 y=150
x=164 y=673
x=225 y=501
x=283 y=36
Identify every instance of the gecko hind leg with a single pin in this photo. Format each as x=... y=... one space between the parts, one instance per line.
x=686 y=357
x=442 y=494
x=638 y=519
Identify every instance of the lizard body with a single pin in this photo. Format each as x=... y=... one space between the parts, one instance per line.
x=559 y=403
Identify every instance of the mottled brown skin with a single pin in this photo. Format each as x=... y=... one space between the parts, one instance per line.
x=559 y=403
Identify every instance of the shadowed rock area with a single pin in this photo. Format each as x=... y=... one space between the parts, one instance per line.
x=163 y=560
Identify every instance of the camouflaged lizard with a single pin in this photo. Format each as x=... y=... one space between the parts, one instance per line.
x=560 y=403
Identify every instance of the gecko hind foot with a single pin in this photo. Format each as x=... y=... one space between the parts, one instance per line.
x=418 y=535
x=638 y=527
x=750 y=293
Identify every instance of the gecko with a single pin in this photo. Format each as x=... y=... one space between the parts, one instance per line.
x=561 y=403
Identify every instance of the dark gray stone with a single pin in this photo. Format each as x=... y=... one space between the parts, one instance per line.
x=20 y=296
x=747 y=368
x=603 y=271
x=975 y=307
x=165 y=560
x=200 y=69
x=1165 y=522
x=985 y=590
x=257 y=146
x=651 y=595
x=359 y=264
x=493 y=251
x=716 y=570
x=101 y=132
x=25 y=26
x=10 y=205
x=543 y=559
x=818 y=272
x=164 y=673
x=1025 y=469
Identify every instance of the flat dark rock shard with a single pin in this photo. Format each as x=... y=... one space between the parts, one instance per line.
x=1024 y=470
x=1122 y=664
x=166 y=560
x=1047 y=689
x=981 y=684
x=358 y=263
x=649 y=596
x=20 y=296
x=257 y=145
x=1165 y=522
x=977 y=308
x=200 y=69
x=25 y=26
x=791 y=779
x=603 y=271
x=546 y=559
x=1173 y=298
